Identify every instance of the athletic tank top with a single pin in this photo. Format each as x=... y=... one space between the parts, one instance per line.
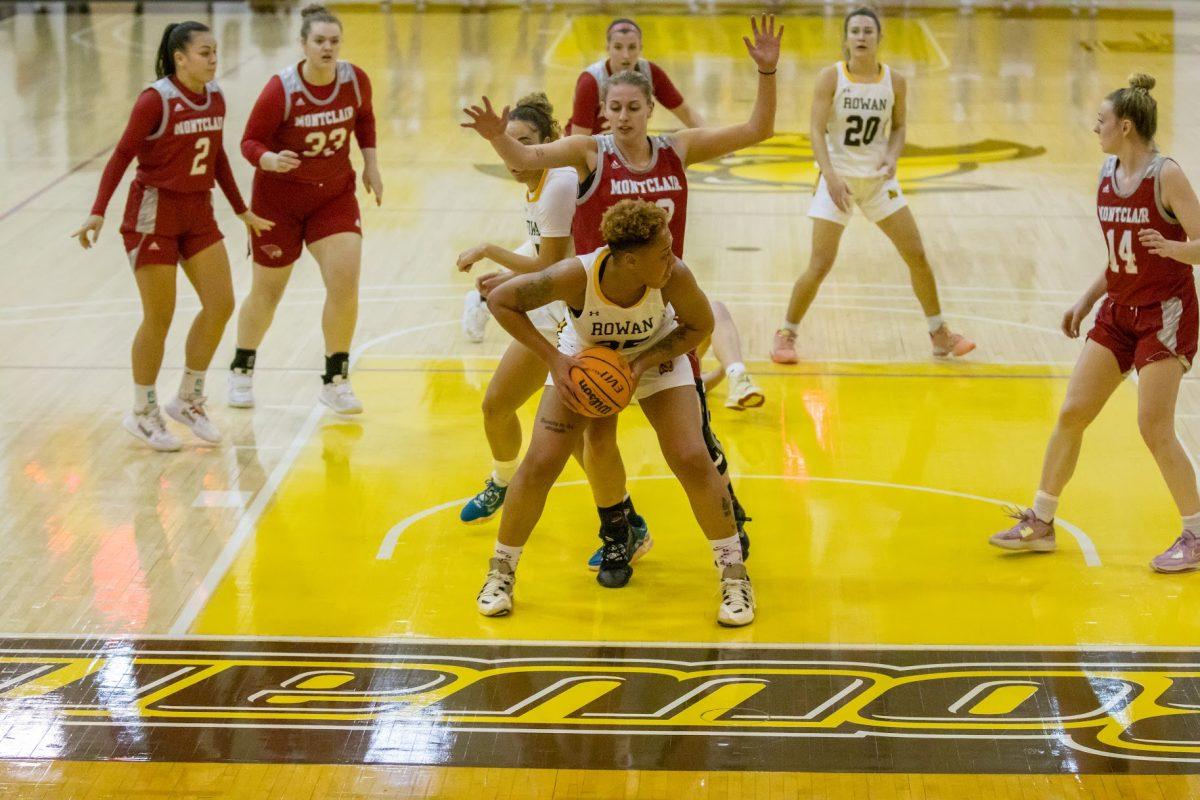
x=319 y=130
x=181 y=155
x=1137 y=277
x=860 y=123
x=603 y=323
x=663 y=182
x=550 y=209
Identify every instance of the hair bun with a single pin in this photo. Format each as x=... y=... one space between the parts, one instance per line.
x=1140 y=80
x=313 y=8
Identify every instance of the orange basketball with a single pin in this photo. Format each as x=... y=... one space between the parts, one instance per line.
x=602 y=386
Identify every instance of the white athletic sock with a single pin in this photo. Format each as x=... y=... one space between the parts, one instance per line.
x=192 y=384
x=1044 y=506
x=1192 y=524
x=726 y=551
x=935 y=322
x=509 y=555
x=143 y=398
x=734 y=370
x=503 y=471
x=794 y=327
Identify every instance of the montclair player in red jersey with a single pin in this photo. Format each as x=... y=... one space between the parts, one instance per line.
x=298 y=137
x=174 y=133
x=630 y=164
x=1147 y=322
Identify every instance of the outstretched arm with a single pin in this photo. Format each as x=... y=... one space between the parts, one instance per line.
x=693 y=318
x=704 y=144
x=571 y=151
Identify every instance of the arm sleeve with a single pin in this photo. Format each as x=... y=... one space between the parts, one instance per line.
x=664 y=89
x=143 y=121
x=263 y=122
x=586 y=108
x=224 y=175
x=557 y=205
x=364 y=119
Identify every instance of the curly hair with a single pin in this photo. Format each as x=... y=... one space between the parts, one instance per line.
x=536 y=110
x=1135 y=104
x=632 y=223
x=629 y=77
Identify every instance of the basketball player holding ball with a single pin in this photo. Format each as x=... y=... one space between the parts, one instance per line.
x=298 y=138
x=635 y=293
x=174 y=133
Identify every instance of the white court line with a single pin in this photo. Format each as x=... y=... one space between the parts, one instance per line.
x=937 y=47
x=387 y=547
x=248 y=523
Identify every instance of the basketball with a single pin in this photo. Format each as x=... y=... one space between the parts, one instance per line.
x=602 y=386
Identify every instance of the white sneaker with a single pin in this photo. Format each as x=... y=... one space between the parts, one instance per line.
x=192 y=413
x=744 y=393
x=495 y=599
x=737 y=597
x=340 y=397
x=475 y=316
x=150 y=427
x=241 y=389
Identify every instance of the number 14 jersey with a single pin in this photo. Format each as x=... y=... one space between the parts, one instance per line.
x=860 y=123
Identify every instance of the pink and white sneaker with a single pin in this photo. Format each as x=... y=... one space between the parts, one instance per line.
x=947 y=343
x=783 y=349
x=1030 y=533
x=1182 y=556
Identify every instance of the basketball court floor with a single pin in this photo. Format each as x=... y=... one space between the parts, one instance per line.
x=291 y=613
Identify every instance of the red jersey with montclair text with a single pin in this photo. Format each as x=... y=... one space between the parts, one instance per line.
x=181 y=154
x=663 y=182
x=1137 y=277
x=315 y=122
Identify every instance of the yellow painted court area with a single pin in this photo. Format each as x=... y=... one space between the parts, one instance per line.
x=868 y=527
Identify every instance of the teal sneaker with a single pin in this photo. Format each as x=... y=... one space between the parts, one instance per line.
x=484 y=505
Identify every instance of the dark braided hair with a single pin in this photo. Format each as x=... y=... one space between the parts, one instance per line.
x=175 y=39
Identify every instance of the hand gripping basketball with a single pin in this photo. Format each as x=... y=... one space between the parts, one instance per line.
x=601 y=386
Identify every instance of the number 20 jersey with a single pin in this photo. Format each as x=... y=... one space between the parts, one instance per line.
x=860 y=123
x=319 y=129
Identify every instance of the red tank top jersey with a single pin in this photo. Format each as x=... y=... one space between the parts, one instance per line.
x=1137 y=277
x=318 y=129
x=663 y=182
x=181 y=155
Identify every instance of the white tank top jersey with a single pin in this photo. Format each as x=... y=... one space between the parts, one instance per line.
x=603 y=323
x=550 y=209
x=860 y=123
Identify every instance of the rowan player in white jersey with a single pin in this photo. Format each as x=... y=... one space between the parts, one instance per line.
x=858 y=131
x=636 y=296
x=549 y=209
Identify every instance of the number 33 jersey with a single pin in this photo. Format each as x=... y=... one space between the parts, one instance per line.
x=860 y=123
x=315 y=122
x=1135 y=276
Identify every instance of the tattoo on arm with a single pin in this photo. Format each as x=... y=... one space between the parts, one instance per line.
x=535 y=294
x=663 y=349
x=726 y=508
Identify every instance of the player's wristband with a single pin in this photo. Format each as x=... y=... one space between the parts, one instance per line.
x=772 y=72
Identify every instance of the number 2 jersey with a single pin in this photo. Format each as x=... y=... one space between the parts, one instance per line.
x=1135 y=276
x=176 y=136
x=860 y=123
x=315 y=122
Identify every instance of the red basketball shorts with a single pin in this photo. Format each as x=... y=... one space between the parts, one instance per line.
x=303 y=213
x=1141 y=335
x=165 y=227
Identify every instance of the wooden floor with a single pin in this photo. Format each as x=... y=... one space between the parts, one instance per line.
x=873 y=474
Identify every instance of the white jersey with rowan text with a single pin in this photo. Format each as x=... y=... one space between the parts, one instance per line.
x=860 y=123
x=603 y=323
